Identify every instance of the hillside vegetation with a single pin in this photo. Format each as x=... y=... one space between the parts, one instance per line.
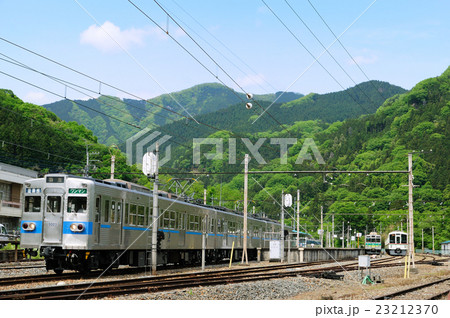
x=100 y=114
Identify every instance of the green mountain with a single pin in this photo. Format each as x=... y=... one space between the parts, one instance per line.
x=100 y=115
x=351 y=103
x=35 y=138
x=416 y=121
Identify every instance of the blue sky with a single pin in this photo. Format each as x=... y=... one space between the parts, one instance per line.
x=402 y=42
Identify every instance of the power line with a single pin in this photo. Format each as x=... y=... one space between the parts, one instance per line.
x=329 y=53
x=196 y=59
x=120 y=90
x=226 y=47
x=312 y=55
x=134 y=59
x=348 y=53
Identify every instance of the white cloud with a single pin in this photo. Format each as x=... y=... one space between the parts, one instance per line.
x=102 y=37
x=38 y=98
x=251 y=80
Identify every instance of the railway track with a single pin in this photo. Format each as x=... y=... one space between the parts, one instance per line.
x=177 y=281
x=420 y=287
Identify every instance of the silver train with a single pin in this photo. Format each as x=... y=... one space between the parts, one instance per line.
x=372 y=245
x=82 y=224
x=396 y=243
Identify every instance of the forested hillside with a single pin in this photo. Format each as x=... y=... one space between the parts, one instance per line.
x=99 y=115
x=415 y=121
x=35 y=138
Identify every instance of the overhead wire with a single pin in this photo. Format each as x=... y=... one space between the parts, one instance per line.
x=312 y=55
x=227 y=48
x=206 y=53
x=133 y=58
x=120 y=90
x=345 y=49
x=329 y=53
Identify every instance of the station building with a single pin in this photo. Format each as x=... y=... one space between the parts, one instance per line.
x=12 y=179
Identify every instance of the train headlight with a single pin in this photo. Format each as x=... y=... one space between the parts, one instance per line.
x=29 y=226
x=76 y=227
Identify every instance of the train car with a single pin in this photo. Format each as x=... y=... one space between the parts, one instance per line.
x=373 y=244
x=396 y=243
x=82 y=224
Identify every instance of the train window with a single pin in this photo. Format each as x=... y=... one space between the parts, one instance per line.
x=180 y=221
x=32 y=204
x=140 y=215
x=113 y=211
x=404 y=239
x=160 y=220
x=76 y=204
x=97 y=209
x=232 y=227
x=119 y=212
x=219 y=226
x=212 y=227
x=147 y=220
x=392 y=238
x=125 y=218
x=194 y=222
x=172 y=219
x=133 y=211
x=54 y=204
x=106 y=212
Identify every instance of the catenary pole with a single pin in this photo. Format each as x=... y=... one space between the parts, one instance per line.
x=155 y=213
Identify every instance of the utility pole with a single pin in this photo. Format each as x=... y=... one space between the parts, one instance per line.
x=410 y=210
x=204 y=196
x=155 y=213
x=321 y=226
x=343 y=233
x=332 y=234
x=348 y=233
x=423 y=251
x=432 y=229
x=298 y=218
x=282 y=226
x=244 y=249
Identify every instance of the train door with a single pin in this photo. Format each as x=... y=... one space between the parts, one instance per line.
x=181 y=226
x=96 y=227
x=119 y=218
x=53 y=217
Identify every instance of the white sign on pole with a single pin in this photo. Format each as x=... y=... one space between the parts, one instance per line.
x=353 y=238
x=287 y=200
x=149 y=163
x=320 y=231
x=358 y=234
